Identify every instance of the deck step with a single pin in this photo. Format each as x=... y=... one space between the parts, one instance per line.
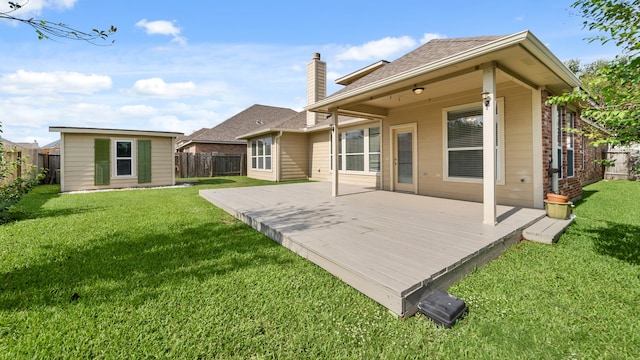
x=547 y=230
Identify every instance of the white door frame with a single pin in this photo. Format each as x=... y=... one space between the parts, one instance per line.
x=413 y=128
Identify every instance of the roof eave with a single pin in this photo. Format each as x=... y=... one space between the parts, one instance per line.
x=268 y=131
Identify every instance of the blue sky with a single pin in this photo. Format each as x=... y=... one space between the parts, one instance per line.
x=182 y=66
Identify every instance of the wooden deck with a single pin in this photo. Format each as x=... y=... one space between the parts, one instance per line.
x=393 y=247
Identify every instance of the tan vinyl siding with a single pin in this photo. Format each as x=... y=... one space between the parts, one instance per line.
x=518 y=188
x=321 y=160
x=320 y=166
x=79 y=163
x=294 y=157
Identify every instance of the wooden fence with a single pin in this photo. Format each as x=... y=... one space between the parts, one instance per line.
x=210 y=164
x=51 y=163
x=621 y=170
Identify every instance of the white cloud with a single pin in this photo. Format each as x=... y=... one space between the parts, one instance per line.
x=137 y=111
x=377 y=49
x=35 y=7
x=36 y=83
x=156 y=87
x=519 y=18
x=162 y=27
x=431 y=36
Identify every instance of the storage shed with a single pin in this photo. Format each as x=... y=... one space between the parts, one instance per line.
x=96 y=159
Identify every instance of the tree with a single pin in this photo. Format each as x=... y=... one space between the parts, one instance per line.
x=48 y=30
x=610 y=94
x=14 y=183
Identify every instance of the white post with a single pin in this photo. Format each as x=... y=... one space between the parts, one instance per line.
x=489 y=107
x=335 y=145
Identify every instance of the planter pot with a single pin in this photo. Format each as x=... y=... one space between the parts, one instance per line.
x=557 y=198
x=558 y=210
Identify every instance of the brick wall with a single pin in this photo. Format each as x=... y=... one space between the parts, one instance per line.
x=547 y=143
x=585 y=170
x=226 y=149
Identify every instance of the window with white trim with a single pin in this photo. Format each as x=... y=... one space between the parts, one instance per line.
x=570 y=144
x=463 y=141
x=358 y=150
x=124 y=158
x=261 y=153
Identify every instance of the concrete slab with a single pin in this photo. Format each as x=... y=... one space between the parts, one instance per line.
x=547 y=230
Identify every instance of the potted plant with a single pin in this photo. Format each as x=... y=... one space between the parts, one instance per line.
x=557 y=198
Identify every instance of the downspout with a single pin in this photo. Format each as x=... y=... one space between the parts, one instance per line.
x=279 y=154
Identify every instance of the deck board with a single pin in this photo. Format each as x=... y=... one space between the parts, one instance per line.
x=393 y=247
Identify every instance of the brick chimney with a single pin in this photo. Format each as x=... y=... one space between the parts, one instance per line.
x=316 y=86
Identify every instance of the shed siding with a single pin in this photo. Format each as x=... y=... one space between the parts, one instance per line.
x=79 y=163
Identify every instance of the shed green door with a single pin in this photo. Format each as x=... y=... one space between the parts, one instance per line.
x=144 y=161
x=102 y=163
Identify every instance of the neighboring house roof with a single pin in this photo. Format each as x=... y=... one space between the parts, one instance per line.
x=183 y=139
x=298 y=123
x=248 y=120
x=520 y=56
x=55 y=144
x=26 y=145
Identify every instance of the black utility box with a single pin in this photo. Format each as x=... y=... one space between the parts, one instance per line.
x=443 y=308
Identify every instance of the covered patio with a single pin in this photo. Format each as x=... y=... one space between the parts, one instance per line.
x=393 y=247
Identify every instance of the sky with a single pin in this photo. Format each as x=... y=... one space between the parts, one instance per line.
x=183 y=66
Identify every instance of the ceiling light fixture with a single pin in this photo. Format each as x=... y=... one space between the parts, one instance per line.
x=417 y=90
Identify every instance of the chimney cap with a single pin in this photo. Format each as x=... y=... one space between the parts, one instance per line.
x=316 y=56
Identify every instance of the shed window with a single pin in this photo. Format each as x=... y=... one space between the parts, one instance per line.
x=124 y=158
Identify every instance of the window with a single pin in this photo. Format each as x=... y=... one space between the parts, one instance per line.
x=570 y=144
x=124 y=158
x=358 y=150
x=374 y=149
x=464 y=141
x=261 y=154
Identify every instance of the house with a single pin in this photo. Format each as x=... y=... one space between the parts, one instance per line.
x=24 y=154
x=435 y=122
x=52 y=148
x=222 y=138
x=96 y=159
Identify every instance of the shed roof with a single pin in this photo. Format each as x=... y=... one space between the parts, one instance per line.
x=88 y=130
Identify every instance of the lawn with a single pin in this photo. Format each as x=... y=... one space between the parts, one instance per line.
x=162 y=273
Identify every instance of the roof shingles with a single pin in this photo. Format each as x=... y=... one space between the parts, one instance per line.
x=430 y=52
x=248 y=120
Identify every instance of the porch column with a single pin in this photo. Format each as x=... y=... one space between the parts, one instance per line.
x=335 y=145
x=489 y=117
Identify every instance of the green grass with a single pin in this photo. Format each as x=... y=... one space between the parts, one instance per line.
x=162 y=273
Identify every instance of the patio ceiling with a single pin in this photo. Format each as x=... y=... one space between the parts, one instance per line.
x=520 y=58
